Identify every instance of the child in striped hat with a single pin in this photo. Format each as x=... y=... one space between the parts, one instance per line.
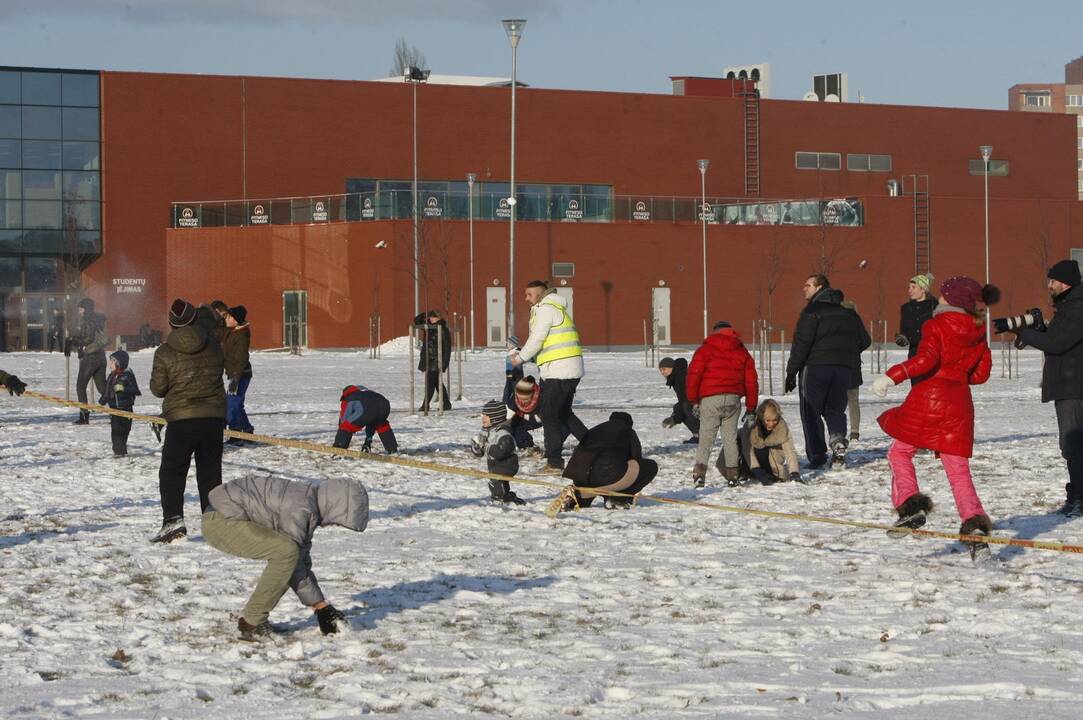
x=500 y=454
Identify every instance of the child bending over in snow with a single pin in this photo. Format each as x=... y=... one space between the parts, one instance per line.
x=938 y=414
x=496 y=443
x=368 y=409
x=273 y=519
x=771 y=454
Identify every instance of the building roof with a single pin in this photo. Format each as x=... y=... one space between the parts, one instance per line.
x=470 y=80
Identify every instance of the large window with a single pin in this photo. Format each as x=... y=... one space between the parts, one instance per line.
x=997 y=168
x=1036 y=99
x=818 y=161
x=1075 y=101
x=868 y=163
x=50 y=164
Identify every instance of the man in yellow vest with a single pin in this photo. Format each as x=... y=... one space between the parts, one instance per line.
x=554 y=345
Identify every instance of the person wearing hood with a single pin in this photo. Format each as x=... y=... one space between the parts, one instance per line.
x=914 y=313
x=821 y=358
x=235 y=344
x=554 y=345
x=609 y=458
x=435 y=357
x=675 y=371
x=121 y=390
x=1062 y=374
x=721 y=373
x=187 y=375
x=273 y=519
x=938 y=413
x=89 y=341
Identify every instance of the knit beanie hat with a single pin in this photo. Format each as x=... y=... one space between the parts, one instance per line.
x=87 y=304
x=496 y=411
x=239 y=314
x=923 y=281
x=964 y=292
x=721 y=324
x=181 y=313
x=666 y=362
x=122 y=359
x=1067 y=271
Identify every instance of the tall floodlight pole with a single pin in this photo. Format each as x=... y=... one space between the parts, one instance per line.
x=514 y=29
x=415 y=76
x=986 y=153
x=703 y=165
x=471 y=178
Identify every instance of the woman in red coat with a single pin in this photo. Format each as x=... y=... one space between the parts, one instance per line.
x=938 y=414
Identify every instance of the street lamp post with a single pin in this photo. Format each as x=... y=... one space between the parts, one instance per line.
x=703 y=165
x=986 y=153
x=514 y=29
x=415 y=76
x=471 y=178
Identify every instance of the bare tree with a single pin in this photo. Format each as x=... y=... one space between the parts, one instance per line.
x=407 y=56
x=774 y=267
x=1041 y=242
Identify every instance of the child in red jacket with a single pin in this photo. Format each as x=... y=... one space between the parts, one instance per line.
x=721 y=372
x=938 y=414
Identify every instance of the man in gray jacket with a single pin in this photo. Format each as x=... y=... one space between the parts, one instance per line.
x=273 y=519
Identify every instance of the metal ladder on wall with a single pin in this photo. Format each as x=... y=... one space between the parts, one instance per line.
x=752 y=141
x=917 y=186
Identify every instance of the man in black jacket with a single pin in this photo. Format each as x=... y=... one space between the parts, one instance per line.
x=676 y=373
x=608 y=457
x=1062 y=375
x=435 y=356
x=914 y=312
x=822 y=354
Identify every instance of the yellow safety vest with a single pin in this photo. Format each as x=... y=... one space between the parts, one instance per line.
x=563 y=339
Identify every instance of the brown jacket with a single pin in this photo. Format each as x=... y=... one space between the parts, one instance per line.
x=779 y=443
x=187 y=375
x=235 y=346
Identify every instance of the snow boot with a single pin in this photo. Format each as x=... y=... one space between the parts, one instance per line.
x=694 y=440
x=912 y=514
x=83 y=419
x=254 y=632
x=172 y=529
x=699 y=475
x=548 y=469
x=733 y=476
x=838 y=451
x=619 y=503
x=855 y=436
x=979 y=525
x=1073 y=506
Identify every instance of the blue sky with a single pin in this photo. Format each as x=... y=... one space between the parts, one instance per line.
x=962 y=54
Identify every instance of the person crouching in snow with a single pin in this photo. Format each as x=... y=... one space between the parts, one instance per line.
x=938 y=413
x=120 y=392
x=273 y=519
x=496 y=443
x=524 y=414
x=608 y=458
x=675 y=371
x=364 y=409
x=772 y=456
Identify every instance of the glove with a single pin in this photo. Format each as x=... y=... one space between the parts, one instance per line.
x=157 y=429
x=795 y=477
x=695 y=411
x=760 y=474
x=79 y=353
x=901 y=340
x=881 y=384
x=749 y=417
x=329 y=617
x=791 y=383
x=366 y=447
x=668 y=423
x=15 y=385
x=232 y=389
x=478 y=443
x=1000 y=325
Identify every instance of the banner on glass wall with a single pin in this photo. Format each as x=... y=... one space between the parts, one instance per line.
x=641 y=211
x=367 y=211
x=259 y=215
x=573 y=211
x=187 y=218
x=319 y=211
x=432 y=207
x=503 y=209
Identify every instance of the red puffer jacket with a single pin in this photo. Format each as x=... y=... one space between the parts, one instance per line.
x=722 y=365
x=938 y=414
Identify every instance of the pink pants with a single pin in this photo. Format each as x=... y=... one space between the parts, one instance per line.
x=904 y=481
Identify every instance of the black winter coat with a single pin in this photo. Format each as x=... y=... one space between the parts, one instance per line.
x=677 y=381
x=602 y=456
x=856 y=378
x=501 y=456
x=430 y=349
x=912 y=315
x=826 y=334
x=1062 y=343
x=120 y=390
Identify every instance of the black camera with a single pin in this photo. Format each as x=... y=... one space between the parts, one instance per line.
x=1030 y=319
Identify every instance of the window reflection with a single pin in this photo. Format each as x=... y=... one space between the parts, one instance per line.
x=41 y=88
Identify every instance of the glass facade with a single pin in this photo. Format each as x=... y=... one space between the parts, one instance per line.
x=50 y=175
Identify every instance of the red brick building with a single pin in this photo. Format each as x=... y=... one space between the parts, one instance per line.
x=171 y=141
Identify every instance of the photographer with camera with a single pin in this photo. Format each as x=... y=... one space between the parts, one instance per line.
x=1062 y=375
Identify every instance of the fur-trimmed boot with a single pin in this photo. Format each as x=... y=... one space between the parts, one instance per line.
x=979 y=525
x=912 y=514
x=699 y=475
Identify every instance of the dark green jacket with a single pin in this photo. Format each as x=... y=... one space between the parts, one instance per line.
x=187 y=375
x=235 y=345
x=90 y=335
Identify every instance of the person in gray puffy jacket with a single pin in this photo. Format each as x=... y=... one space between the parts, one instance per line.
x=273 y=519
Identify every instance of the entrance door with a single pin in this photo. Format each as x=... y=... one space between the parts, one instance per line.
x=569 y=295
x=496 y=315
x=660 y=315
x=295 y=318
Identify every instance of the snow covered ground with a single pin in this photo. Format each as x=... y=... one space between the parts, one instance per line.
x=461 y=608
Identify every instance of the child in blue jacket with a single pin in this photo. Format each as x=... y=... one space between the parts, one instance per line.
x=120 y=392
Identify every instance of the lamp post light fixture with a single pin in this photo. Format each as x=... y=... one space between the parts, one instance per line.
x=514 y=29
x=415 y=76
x=471 y=178
x=986 y=153
x=703 y=165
